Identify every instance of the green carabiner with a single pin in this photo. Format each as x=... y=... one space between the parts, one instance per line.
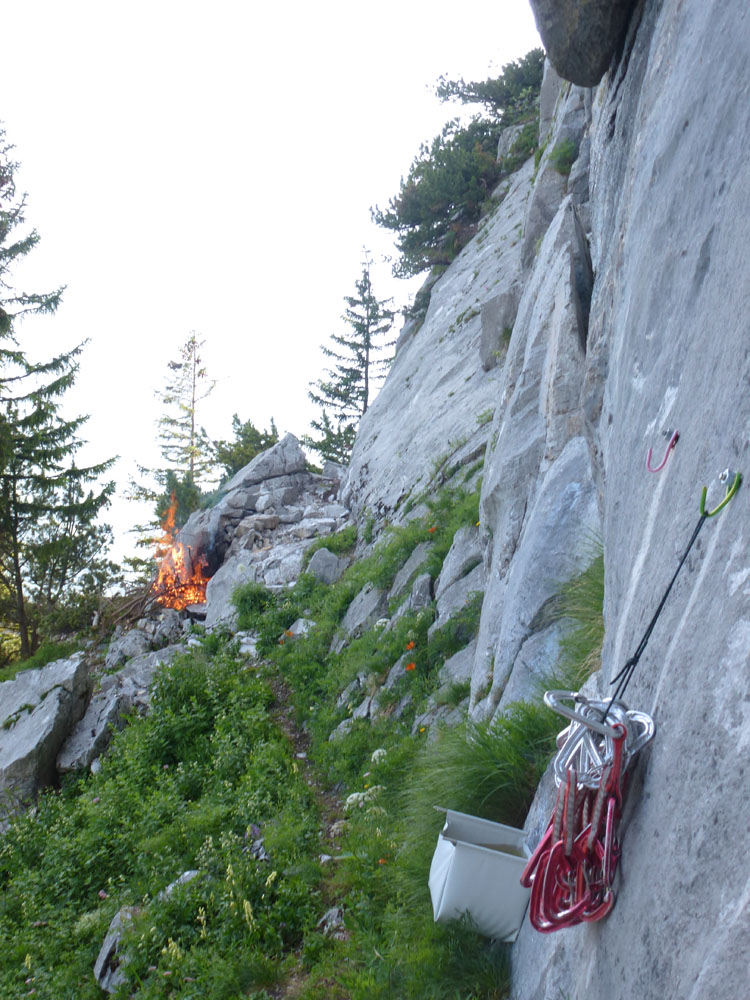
x=731 y=490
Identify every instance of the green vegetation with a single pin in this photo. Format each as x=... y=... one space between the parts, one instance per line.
x=341 y=543
x=210 y=772
x=581 y=604
x=51 y=546
x=248 y=442
x=448 y=185
x=563 y=155
x=191 y=786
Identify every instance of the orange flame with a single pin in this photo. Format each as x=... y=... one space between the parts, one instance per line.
x=182 y=578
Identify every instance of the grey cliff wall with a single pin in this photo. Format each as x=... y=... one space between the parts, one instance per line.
x=630 y=291
x=668 y=346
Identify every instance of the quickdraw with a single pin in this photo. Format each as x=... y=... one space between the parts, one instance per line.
x=571 y=873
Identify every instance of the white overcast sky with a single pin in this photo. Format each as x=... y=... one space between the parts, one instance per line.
x=211 y=167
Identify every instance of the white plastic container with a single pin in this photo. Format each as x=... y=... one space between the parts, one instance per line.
x=476 y=869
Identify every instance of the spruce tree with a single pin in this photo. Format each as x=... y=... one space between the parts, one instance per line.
x=48 y=505
x=43 y=494
x=346 y=393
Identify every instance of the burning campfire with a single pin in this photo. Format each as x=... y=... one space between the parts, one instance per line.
x=182 y=578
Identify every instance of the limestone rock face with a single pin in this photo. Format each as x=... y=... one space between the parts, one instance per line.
x=366 y=608
x=581 y=36
x=118 y=694
x=669 y=191
x=437 y=384
x=630 y=287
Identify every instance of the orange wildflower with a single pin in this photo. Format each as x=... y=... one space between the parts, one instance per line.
x=433 y=528
x=411 y=644
x=410 y=666
x=382 y=861
x=289 y=633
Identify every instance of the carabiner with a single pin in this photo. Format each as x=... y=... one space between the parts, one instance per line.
x=731 y=490
x=673 y=439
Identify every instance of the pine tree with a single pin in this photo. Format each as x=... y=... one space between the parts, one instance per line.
x=450 y=182
x=42 y=496
x=345 y=395
x=248 y=442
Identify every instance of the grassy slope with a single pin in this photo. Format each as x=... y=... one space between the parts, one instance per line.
x=209 y=771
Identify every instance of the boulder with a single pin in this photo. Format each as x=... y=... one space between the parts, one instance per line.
x=415 y=561
x=299 y=628
x=463 y=556
x=39 y=708
x=333 y=471
x=369 y=604
x=91 y=737
x=454 y=598
x=458 y=667
x=167 y=627
x=124 y=646
x=186 y=877
x=283 y=459
x=248 y=643
x=107 y=968
x=325 y=566
x=581 y=38
x=311 y=527
x=420 y=597
x=118 y=694
x=233 y=573
x=448 y=715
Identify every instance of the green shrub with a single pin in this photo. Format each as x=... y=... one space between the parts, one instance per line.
x=580 y=603
x=189 y=786
x=525 y=144
x=340 y=543
x=562 y=157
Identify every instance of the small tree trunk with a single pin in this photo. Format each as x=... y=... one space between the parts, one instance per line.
x=23 y=625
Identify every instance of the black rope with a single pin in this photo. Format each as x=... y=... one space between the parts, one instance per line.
x=623 y=677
